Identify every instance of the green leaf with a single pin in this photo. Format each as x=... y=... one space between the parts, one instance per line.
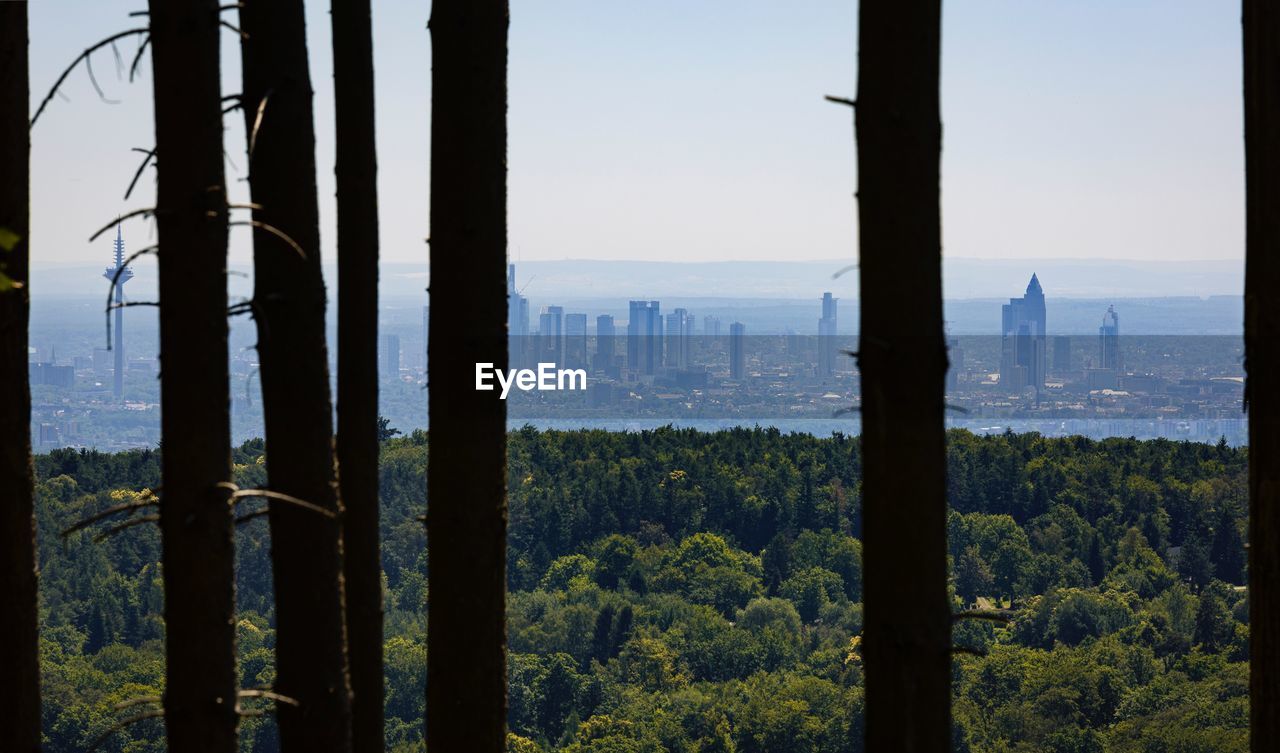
x=8 y=239
x=7 y=283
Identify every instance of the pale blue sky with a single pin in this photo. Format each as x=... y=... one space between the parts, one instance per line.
x=681 y=130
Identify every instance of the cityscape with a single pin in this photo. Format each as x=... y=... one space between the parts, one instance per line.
x=679 y=366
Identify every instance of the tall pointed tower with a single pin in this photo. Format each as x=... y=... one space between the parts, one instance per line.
x=120 y=274
x=1023 y=340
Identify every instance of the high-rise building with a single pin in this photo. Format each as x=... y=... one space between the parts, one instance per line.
x=575 y=341
x=551 y=334
x=389 y=357
x=605 y=336
x=517 y=322
x=1062 y=355
x=679 y=338
x=711 y=326
x=119 y=274
x=1109 y=340
x=737 y=350
x=644 y=338
x=955 y=363
x=1023 y=339
x=827 y=337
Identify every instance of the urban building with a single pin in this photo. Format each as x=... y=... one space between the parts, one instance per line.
x=737 y=350
x=389 y=357
x=711 y=326
x=679 y=339
x=1023 y=340
x=827 y=337
x=575 y=341
x=644 y=338
x=517 y=323
x=1062 y=355
x=1109 y=340
x=605 y=337
x=551 y=334
x=955 y=364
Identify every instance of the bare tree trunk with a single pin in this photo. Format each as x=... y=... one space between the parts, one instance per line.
x=19 y=631
x=289 y=297
x=1262 y=361
x=902 y=359
x=196 y=519
x=357 y=172
x=466 y=471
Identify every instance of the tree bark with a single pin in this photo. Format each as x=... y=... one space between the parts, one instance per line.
x=902 y=359
x=289 y=297
x=357 y=170
x=19 y=630
x=196 y=519
x=1262 y=360
x=466 y=471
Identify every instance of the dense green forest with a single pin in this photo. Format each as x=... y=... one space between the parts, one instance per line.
x=684 y=591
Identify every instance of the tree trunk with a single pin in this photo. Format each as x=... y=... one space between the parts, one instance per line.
x=357 y=169
x=196 y=519
x=902 y=360
x=19 y=631
x=466 y=471
x=289 y=297
x=1262 y=360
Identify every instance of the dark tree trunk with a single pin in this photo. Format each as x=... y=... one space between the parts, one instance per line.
x=902 y=359
x=357 y=170
x=19 y=632
x=466 y=470
x=289 y=296
x=196 y=519
x=1262 y=360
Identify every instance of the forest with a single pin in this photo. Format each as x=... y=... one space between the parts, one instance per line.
x=904 y=591
x=683 y=591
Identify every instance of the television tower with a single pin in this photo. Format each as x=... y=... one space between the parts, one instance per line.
x=120 y=274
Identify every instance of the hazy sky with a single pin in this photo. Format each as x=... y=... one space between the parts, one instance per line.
x=679 y=130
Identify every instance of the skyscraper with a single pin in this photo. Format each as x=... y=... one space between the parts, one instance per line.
x=955 y=364
x=1109 y=340
x=389 y=357
x=604 y=343
x=711 y=326
x=1062 y=354
x=679 y=338
x=119 y=274
x=575 y=341
x=644 y=338
x=737 y=350
x=517 y=322
x=1023 y=340
x=551 y=334
x=827 y=337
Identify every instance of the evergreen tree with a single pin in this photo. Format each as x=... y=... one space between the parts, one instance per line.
x=1261 y=21
x=466 y=707
x=19 y=631
x=196 y=517
x=360 y=429
x=973 y=576
x=1228 y=552
x=902 y=360
x=1193 y=561
x=289 y=310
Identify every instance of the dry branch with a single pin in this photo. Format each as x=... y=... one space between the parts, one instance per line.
x=82 y=56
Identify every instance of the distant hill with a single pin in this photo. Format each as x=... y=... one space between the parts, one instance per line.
x=624 y=280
